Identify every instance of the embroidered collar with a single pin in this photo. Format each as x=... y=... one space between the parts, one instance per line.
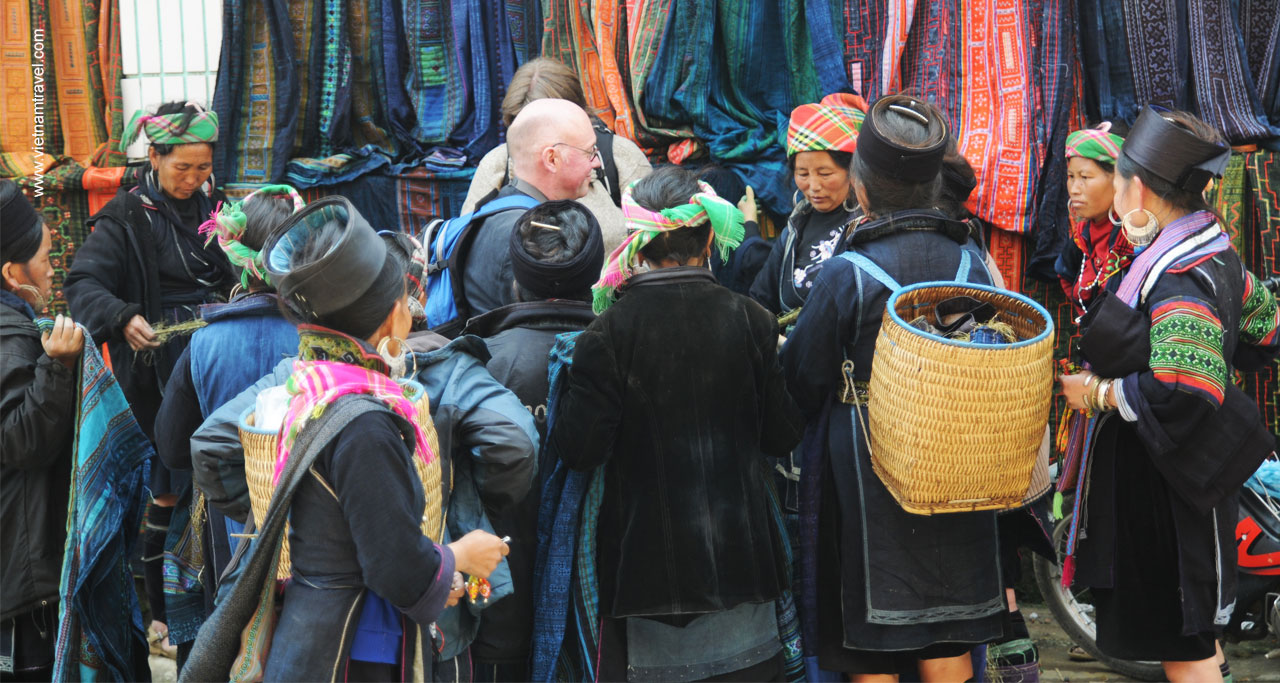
x=322 y=343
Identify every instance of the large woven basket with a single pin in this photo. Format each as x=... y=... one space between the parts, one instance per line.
x=956 y=426
x=260 y=448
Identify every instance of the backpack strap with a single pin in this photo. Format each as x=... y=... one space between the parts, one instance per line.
x=870 y=268
x=604 y=143
x=457 y=258
x=962 y=273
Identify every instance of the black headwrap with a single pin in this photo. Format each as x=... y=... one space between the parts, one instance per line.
x=1173 y=154
x=20 y=223
x=909 y=164
x=567 y=278
x=355 y=277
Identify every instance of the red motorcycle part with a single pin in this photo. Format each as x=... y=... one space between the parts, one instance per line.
x=1263 y=564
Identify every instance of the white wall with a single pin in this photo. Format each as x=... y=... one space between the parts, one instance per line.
x=170 y=52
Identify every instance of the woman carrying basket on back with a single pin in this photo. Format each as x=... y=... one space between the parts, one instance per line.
x=345 y=471
x=884 y=591
x=1167 y=438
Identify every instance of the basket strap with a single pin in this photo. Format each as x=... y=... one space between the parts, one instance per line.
x=875 y=271
x=962 y=273
x=870 y=268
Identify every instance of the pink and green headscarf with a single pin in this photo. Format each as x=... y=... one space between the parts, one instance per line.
x=228 y=224
x=1098 y=144
x=643 y=225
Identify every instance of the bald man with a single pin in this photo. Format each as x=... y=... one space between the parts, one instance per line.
x=554 y=156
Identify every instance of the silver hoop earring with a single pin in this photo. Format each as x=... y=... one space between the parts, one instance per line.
x=396 y=364
x=847 y=208
x=1140 y=236
x=1113 y=216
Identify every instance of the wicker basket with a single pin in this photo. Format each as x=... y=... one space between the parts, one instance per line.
x=260 y=448
x=956 y=426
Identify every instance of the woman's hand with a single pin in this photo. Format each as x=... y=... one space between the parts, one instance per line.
x=478 y=553
x=456 y=591
x=747 y=205
x=1074 y=388
x=139 y=334
x=65 y=342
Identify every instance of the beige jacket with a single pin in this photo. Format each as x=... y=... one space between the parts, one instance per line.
x=632 y=165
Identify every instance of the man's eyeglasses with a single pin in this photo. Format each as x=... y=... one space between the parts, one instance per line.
x=591 y=152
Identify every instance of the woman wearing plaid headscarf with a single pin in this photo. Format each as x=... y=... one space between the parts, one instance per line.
x=1098 y=249
x=145 y=264
x=820 y=143
x=676 y=392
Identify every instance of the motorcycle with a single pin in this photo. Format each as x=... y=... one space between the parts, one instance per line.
x=1257 y=610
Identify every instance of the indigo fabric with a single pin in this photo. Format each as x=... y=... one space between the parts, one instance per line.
x=100 y=632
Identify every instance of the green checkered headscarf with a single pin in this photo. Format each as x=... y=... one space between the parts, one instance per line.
x=164 y=129
x=1099 y=144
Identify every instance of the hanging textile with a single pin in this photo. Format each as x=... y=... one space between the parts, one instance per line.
x=1104 y=57
x=717 y=77
x=572 y=42
x=931 y=64
x=70 y=74
x=1225 y=93
x=1191 y=55
x=1260 y=24
x=995 y=132
x=1053 y=49
x=867 y=26
x=106 y=69
x=257 y=94
x=1262 y=214
x=647 y=21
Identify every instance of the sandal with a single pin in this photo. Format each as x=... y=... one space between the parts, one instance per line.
x=1077 y=654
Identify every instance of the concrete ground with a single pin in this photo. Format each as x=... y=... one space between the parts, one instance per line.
x=1248 y=659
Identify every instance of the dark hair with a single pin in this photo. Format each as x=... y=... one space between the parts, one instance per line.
x=262 y=215
x=553 y=246
x=724 y=181
x=189 y=112
x=1184 y=200
x=885 y=194
x=537 y=79
x=958 y=181
x=360 y=319
x=842 y=159
x=665 y=188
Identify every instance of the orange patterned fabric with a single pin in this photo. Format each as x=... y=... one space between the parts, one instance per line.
x=22 y=83
x=994 y=133
x=81 y=129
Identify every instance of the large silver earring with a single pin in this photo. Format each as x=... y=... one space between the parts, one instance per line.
x=1113 y=216
x=395 y=363
x=847 y=208
x=1140 y=236
x=796 y=197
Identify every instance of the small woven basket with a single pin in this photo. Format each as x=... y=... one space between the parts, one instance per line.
x=260 y=448
x=956 y=426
